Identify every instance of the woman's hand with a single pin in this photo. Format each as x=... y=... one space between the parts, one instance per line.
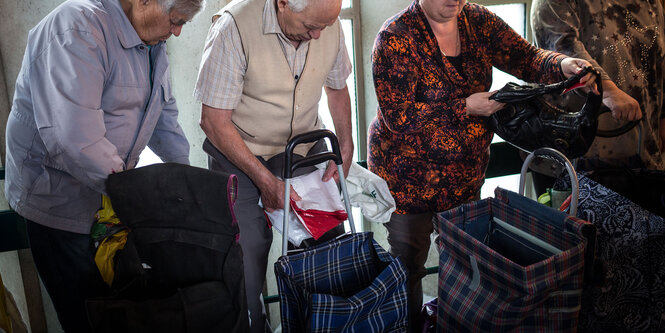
x=572 y=66
x=479 y=104
x=623 y=106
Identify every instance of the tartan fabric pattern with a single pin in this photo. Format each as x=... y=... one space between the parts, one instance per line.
x=349 y=284
x=481 y=290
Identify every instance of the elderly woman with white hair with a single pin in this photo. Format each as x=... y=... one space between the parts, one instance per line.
x=92 y=93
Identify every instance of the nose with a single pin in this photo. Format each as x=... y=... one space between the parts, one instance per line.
x=176 y=30
x=315 y=34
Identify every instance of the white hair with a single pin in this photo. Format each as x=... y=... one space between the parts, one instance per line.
x=298 y=6
x=188 y=8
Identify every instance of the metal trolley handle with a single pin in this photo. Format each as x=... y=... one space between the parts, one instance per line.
x=290 y=166
x=561 y=158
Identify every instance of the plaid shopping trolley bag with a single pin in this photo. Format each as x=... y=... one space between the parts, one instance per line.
x=348 y=284
x=510 y=264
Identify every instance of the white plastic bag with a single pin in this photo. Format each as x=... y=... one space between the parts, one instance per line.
x=297 y=232
x=315 y=195
x=371 y=193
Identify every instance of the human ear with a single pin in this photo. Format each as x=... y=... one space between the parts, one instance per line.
x=281 y=4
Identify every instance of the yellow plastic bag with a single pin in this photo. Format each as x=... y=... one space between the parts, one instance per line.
x=110 y=236
x=10 y=317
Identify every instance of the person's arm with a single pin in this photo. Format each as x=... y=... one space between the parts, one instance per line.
x=622 y=105
x=219 y=88
x=66 y=84
x=339 y=104
x=556 y=26
x=396 y=77
x=168 y=141
x=218 y=127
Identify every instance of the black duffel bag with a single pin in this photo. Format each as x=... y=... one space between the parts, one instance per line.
x=181 y=268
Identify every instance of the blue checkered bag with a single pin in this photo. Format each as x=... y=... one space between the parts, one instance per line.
x=349 y=284
x=510 y=264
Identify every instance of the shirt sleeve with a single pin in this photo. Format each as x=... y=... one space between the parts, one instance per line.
x=556 y=27
x=68 y=111
x=513 y=54
x=223 y=66
x=342 y=68
x=168 y=140
x=396 y=74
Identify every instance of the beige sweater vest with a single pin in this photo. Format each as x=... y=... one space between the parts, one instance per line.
x=274 y=107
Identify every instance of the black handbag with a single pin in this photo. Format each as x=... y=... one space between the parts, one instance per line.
x=531 y=118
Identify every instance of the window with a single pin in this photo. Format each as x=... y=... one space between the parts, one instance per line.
x=324 y=113
x=516 y=15
x=350 y=19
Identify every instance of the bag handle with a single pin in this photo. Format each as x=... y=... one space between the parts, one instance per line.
x=610 y=133
x=561 y=158
x=290 y=166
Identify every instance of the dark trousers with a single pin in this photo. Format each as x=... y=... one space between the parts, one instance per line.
x=409 y=239
x=65 y=262
x=255 y=235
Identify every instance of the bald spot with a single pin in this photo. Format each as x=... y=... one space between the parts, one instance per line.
x=323 y=11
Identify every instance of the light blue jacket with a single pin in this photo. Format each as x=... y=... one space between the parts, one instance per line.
x=84 y=107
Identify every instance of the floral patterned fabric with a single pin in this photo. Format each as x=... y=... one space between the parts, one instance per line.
x=432 y=155
x=627 y=39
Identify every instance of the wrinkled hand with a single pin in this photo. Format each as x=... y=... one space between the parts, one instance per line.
x=623 y=106
x=272 y=195
x=479 y=104
x=572 y=66
x=331 y=169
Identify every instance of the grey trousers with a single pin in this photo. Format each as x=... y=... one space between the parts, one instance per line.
x=409 y=239
x=255 y=235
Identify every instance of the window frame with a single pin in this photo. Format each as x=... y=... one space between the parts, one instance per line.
x=353 y=13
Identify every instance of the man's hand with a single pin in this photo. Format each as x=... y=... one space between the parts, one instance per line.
x=218 y=127
x=331 y=169
x=272 y=194
x=479 y=104
x=623 y=106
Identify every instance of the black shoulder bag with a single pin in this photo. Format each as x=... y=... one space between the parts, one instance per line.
x=530 y=120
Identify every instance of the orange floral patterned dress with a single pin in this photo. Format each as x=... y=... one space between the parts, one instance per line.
x=431 y=153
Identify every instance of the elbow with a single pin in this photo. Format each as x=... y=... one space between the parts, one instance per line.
x=204 y=121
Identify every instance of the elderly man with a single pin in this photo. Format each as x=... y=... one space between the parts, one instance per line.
x=264 y=65
x=92 y=92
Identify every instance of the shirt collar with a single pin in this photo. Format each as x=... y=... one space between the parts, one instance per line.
x=126 y=33
x=270 y=24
